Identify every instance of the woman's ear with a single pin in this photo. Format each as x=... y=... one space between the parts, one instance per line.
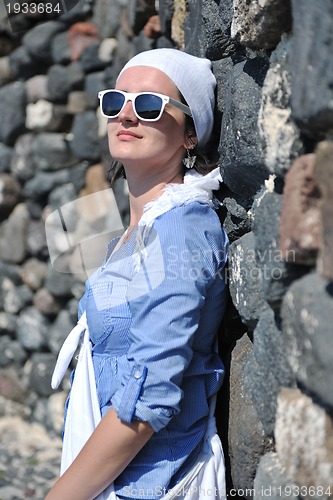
x=190 y=140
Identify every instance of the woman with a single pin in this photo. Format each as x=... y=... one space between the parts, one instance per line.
x=154 y=306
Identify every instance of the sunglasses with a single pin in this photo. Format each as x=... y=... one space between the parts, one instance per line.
x=147 y=106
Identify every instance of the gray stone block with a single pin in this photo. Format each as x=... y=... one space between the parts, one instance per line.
x=275 y=274
x=226 y=12
x=10 y=194
x=166 y=10
x=17 y=299
x=267 y=369
x=271 y=481
x=33 y=273
x=206 y=33
x=32 y=328
x=6 y=154
x=23 y=64
x=12 y=104
x=107 y=15
x=312 y=66
x=245 y=282
x=42 y=366
x=61 y=196
x=241 y=158
x=280 y=137
x=90 y=59
x=46 y=303
x=61 y=80
x=237 y=221
x=38 y=40
x=11 y=386
x=51 y=151
x=13 y=245
x=36 y=239
x=85 y=143
x=303 y=436
x=60 y=49
x=247 y=440
x=258 y=24
x=61 y=327
x=221 y=70
x=268 y=255
x=11 y=271
x=59 y=283
x=139 y=11
x=42 y=183
x=93 y=83
x=7 y=321
x=22 y=165
x=307 y=314
x=76 y=10
x=11 y=352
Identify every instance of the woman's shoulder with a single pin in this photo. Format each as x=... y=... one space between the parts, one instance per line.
x=193 y=229
x=193 y=225
x=193 y=215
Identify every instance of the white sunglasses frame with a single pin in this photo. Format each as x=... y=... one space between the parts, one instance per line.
x=130 y=96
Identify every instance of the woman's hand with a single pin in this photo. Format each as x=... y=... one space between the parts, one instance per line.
x=112 y=446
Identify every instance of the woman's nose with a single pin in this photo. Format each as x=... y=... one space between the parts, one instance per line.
x=127 y=113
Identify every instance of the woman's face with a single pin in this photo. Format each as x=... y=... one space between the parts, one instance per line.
x=146 y=145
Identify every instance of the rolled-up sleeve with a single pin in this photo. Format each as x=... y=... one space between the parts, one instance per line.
x=166 y=297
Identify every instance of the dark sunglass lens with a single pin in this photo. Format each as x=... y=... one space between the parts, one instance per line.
x=148 y=106
x=112 y=103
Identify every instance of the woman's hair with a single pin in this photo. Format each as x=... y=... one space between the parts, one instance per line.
x=204 y=163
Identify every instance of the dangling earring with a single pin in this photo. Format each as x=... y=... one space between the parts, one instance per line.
x=189 y=161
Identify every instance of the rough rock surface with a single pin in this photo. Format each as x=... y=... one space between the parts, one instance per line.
x=304 y=434
x=241 y=159
x=267 y=369
x=30 y=459
x=271 y=480
x=274 y=103
x=323 y=170
x=247 y=439
x=300 y=224
x=311 y=66
x=260 y=23
x=245 y=280
x=306 y=326
x=279 y=135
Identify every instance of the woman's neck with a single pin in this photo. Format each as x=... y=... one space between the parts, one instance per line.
x=143 y=191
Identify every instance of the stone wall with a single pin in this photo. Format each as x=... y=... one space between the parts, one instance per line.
x=274 y=119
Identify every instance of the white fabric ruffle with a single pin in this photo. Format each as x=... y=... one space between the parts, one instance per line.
x=196 y=187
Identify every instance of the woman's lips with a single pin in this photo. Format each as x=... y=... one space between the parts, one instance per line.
x=126 y=135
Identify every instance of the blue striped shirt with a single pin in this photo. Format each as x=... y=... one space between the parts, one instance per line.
x=153 y=309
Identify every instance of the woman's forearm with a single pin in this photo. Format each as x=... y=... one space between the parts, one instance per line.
x=109 y=450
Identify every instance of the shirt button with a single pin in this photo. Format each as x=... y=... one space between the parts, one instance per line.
x=137 y=374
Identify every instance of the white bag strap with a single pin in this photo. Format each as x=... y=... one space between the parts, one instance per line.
x=67 y=351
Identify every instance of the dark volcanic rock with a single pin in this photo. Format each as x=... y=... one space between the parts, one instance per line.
x=241 y=158
x=307 y=314
x=267 y=369
x=312 y=66
x=12 y=104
